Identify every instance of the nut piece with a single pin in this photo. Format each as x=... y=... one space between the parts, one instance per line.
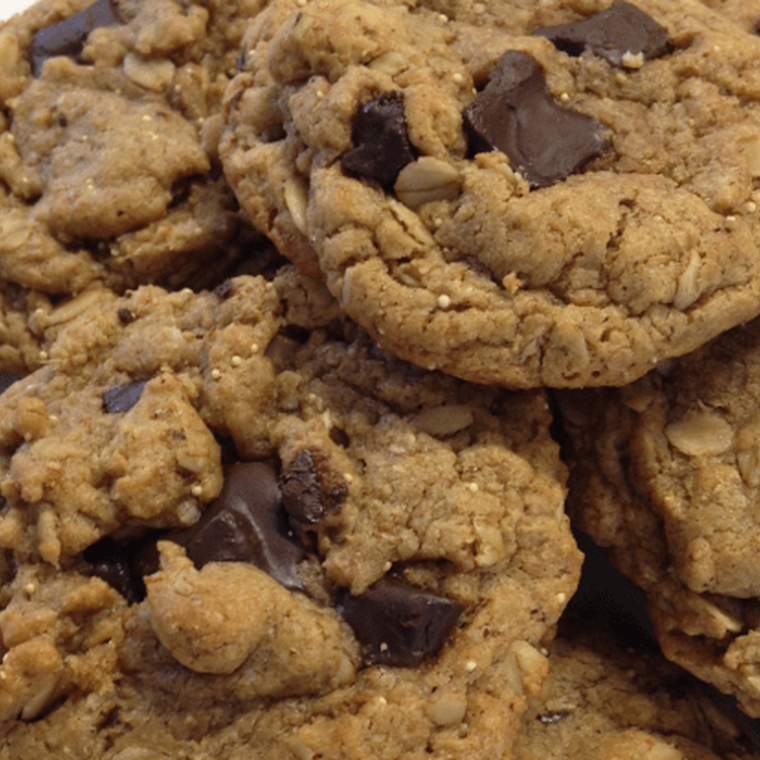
x=700 y=434
x=152 y=75
x=427 y=179
x=444 y=420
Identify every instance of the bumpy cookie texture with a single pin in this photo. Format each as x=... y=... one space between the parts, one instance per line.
x=602 y=701
x=746 y=13
x=666 y=475
x=108 y=161
x=246 y=478
x=77 y=469
x=645 y=253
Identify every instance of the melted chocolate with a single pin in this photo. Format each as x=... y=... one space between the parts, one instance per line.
x=123 y=397
x=246 y=524
x=399 y=624
x=69 y=36
x=381 y=139
x=611 y=34
x=517 y=115
x=112 y=561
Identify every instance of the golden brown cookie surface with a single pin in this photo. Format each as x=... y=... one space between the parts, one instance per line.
x=355 y=488
x=667 y=477
x=638 y=247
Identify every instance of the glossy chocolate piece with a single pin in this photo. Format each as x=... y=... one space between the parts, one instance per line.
x=123 y=397
x=246 y=524
x=6 y=380
x=517 y=115
x=112 y=561
x=621 y=30
x=69 y=36
x=381 y=139
x=399 y=624
x=303 y=497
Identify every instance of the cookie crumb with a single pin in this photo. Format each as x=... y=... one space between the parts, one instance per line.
x=632 y=60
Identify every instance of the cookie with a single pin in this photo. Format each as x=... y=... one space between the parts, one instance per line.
x=231 y=520
x=746 y=14
x=461 y=244
x=602 y=701
x=610 y=691
x=665 y=474
x=109 y=170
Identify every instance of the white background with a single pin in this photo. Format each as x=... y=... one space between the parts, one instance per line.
x=9 y=7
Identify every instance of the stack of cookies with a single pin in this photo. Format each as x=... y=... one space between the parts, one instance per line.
x=370 y=369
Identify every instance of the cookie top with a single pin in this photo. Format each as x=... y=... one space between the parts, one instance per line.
x=528 y=264
x=666 y=474
x=185 y=458
x=109 y=170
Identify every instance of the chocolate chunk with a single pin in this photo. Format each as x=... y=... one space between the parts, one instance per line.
x=6 y=380
x=69 y=36
x=123 y=397
x=398 y=624
x=302 y=494
x=517 y=115
x=246 y=524
x=620 y=35
x=112 y=561
x=125 y=316
x=381 y=139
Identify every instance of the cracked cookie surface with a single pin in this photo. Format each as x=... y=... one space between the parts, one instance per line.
x=163 y=419
x=457 y=264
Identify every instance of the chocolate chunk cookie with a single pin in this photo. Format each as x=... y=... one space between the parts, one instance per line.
x=231 y=520
x=540 y=201
x=109 y=123
x=666 y=475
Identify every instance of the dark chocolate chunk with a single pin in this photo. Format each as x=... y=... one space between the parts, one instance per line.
x=382 y=142
x=125 y=316
x=302 y=494
x=398 y=624
x=246 y=524
x=517 y=115
x=123 y=397
x=69 y=36
x=620 y=31
x=6 y=380
x=112 y=561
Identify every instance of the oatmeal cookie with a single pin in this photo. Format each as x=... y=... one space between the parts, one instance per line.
x=395 y=151
x=666 y=474
x=109 y=123
x=601 y=701
x=287 y=538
